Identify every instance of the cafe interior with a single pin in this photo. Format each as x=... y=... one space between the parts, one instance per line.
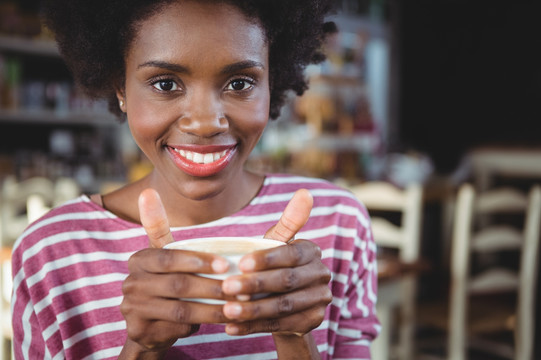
x=427 y=110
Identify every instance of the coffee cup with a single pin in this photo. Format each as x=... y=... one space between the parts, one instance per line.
x=230 y=248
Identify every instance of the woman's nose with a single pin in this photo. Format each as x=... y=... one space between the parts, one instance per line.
x=204 y=115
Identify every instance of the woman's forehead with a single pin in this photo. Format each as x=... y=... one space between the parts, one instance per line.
x=197 y=29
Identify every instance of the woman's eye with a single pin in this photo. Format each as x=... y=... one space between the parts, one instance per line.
x=239 y=85
x=165 y=85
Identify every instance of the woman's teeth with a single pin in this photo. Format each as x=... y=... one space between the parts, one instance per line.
x=201 y=158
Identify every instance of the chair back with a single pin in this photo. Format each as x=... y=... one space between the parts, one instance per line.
x=382 y=200
x=21 y=202
x=65 y=189
x=479 y=228
x=528 y=278
x=407 y=202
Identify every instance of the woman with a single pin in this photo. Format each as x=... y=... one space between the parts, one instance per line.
x=197 y=82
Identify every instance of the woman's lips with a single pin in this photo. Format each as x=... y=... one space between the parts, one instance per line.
x=202 y=160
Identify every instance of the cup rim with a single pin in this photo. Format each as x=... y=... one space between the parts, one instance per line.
x=240 y=239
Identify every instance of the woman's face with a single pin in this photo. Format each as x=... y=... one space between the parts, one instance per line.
x=197 y=94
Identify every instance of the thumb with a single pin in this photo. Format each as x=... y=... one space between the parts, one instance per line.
x=293 y=218
x=154 y=219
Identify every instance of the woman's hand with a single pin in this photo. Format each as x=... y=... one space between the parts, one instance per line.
x=155 y=315
x=294 y=274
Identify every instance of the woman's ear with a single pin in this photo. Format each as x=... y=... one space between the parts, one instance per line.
x=121 y=99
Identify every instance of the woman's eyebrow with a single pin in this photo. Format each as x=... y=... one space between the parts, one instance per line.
x=228 y=69
x=241 y=65
x=164 y=65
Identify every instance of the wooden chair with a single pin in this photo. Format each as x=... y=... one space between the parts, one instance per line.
x=20 y=204
x=381 y=199
x=466 y=322
x=14 y=204
x=65 y=189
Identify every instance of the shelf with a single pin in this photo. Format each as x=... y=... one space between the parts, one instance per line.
x=52 y=117
x=28 y=46
x=337 y=80
x=335 y=142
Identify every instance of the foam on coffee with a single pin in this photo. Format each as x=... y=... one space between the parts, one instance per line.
x=225 y=245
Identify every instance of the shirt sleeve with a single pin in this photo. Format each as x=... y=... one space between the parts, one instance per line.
x=358 y=325
x=28 y=342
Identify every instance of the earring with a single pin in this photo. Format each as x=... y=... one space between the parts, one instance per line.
x=121 y=103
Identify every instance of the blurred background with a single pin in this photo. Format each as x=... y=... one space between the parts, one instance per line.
x=431 y=92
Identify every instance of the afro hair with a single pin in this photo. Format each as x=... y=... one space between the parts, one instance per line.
x=94 y=37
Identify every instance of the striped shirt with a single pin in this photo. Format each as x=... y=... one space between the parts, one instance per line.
x=69 y=266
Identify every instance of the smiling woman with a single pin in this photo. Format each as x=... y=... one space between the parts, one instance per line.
x=197 y=82
x=182 y=98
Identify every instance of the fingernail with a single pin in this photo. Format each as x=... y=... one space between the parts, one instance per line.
x=244 y=297
x=247 y=264
x=231 y=286
x=232 y=329
x=219 y=265
x=232 y=310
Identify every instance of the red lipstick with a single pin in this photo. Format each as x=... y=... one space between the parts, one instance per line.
x=202 y=160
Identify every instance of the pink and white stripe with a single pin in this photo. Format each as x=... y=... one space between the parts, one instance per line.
x=69 y=267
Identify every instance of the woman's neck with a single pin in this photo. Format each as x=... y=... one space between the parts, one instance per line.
x=183 y=211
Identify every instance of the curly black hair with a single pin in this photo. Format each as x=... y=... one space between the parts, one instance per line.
x=94 y=37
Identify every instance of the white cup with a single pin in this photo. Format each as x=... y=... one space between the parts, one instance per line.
x=230 y=248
